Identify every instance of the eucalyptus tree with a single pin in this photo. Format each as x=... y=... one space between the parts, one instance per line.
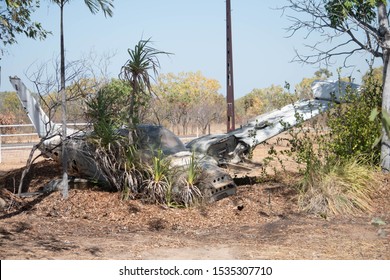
x=260 y=101
x=94 y=6
x=347 y=27
x=188 y=98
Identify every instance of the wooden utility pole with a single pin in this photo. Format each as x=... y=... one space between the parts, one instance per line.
x=229 y=70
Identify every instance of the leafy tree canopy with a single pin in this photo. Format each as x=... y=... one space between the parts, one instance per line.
x=15 y=19
x=363 y=10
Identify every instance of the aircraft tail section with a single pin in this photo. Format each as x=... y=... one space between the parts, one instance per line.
x=43 y=125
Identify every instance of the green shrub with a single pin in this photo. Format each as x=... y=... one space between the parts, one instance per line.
x=353 y=134
x=336 y=156
x=104 y=115
x=116 y=157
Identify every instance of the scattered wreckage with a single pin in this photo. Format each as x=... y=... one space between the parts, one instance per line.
x=212 y=151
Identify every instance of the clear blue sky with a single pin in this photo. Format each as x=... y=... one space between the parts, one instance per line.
x=193 y=30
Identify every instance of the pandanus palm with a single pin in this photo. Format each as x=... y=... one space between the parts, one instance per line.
x=136 y=71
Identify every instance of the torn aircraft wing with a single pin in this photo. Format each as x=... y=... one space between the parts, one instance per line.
x=38 y=117
x=230 y=147
x=271 y=124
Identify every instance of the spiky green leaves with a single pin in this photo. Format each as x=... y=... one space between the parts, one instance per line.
x=106 y=6
x=137 y=73
x=105 y=111
x=158 y=185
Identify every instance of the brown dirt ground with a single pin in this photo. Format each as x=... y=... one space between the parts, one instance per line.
x=92 y=224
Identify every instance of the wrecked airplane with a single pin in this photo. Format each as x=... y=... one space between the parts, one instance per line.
x=216 y=183
x=212 y=151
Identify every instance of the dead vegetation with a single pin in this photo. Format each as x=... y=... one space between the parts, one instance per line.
x=261 y=222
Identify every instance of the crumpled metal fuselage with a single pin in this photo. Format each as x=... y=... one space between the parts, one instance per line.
x=216 y=182
x=212 y=151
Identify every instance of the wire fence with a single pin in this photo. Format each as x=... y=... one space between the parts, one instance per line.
x=18 y=138
x=13 y=137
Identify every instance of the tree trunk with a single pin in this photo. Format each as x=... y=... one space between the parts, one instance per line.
x=65 y=185
x=385 y=34
x=385 y=144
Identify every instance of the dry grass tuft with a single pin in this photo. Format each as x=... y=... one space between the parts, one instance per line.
x=345 y=189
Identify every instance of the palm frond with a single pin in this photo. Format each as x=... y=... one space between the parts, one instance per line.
x=96 y=5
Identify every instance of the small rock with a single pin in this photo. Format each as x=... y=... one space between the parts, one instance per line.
x=378 y=222
x=53 y=185
x=2 y=203
x=382 y=233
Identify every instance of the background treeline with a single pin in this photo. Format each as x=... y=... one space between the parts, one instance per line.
x=187 y=103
